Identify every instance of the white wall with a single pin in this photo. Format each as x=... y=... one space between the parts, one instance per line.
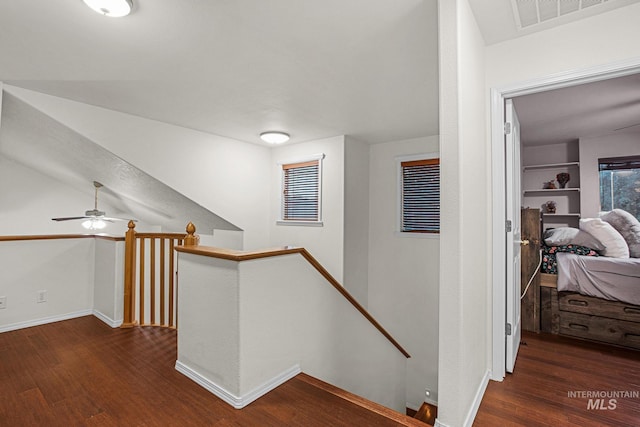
x=356 y=219
x=404 y=270
x=217 y=172
x=594 y=148
x=325 y=243
x=464 y=338
x=243 y=324
x=108 y=281
x=64 y=268
x=601 y=39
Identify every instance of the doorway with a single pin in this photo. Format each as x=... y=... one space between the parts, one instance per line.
x=502 y=198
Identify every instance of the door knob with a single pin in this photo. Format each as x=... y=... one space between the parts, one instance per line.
x=524 y=242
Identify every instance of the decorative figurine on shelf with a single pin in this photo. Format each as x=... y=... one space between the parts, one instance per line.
x=550 y=207
x=563 y=178
x=548 y=185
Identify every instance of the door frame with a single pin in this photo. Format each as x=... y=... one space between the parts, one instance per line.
x=498 y=96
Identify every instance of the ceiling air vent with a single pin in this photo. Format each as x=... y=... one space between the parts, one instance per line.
x=532 y=12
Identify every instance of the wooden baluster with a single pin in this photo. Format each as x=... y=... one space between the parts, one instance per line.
x=171 y=273
x=191 y=239
x=129 y=276
x=152 y=282
x=142 y=300
x=177 y=285
x=162 y=287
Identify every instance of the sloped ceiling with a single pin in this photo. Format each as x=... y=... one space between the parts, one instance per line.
x=35 y=140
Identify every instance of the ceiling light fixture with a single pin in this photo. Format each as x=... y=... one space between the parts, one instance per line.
x=112 y=8
x=94 y=224
x=273 y=137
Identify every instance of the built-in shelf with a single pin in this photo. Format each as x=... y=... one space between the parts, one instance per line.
x=573 y=215
x=552 y=190
x=552 y=166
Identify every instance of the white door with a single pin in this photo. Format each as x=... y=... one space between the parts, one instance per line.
x=513 y=202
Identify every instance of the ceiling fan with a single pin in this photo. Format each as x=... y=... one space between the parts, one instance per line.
x=94 y=218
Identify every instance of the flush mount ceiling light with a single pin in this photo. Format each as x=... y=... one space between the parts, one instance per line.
x=274 y=137
x=112 y=8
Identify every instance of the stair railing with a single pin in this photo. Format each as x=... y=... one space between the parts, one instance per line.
x=150 y=276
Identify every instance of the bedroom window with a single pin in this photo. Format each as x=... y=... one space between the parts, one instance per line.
x=301 y=192
x=420 y=196
x=620 y=184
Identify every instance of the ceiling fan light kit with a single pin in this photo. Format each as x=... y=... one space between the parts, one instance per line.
x=94 y=219
x=94 y=224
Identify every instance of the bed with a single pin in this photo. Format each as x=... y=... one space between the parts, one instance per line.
x=591 y=297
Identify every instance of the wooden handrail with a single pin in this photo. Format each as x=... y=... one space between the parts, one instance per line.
x=234 y=255
x=59 y=237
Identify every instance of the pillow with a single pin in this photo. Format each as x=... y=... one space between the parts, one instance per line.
x=627 y=225
x=562 y=236
x=603 y=231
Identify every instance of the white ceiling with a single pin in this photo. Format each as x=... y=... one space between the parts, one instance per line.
x=586 y=110
x=365 y=68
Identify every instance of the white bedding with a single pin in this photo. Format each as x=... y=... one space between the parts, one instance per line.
x=616 y=279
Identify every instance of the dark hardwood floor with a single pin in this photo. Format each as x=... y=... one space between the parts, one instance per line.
x=80 y=372
x=548 y=370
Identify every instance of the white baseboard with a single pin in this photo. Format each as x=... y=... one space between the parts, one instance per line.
x=475 y=405
x=45 y=320
x=477 y=399
x=237 y=402
x=106 y=319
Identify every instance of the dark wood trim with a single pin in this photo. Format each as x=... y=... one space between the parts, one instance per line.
x=422 y=162
x=238 y=256
x=59 y=237
x=402 y=419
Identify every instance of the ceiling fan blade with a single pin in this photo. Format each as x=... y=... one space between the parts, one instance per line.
x=70 y=218
x=110 y=219
x=94 y=214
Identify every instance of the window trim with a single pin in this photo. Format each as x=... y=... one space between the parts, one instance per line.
x=399 y=160
x=300 y=160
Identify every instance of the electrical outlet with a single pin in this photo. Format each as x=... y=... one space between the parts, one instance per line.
x=3 y=302
x=42 y=296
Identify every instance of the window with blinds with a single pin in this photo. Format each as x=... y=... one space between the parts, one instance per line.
x=301 y=191
x=620 y=184
x=420 y=196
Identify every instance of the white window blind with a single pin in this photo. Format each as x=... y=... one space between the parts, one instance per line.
x=301 y=191
x=421 y=196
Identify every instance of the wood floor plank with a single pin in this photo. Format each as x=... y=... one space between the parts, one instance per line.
x=548 y=369
x=81 y=372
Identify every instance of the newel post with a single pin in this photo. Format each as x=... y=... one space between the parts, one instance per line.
x=191 y=239
x=129 y=275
